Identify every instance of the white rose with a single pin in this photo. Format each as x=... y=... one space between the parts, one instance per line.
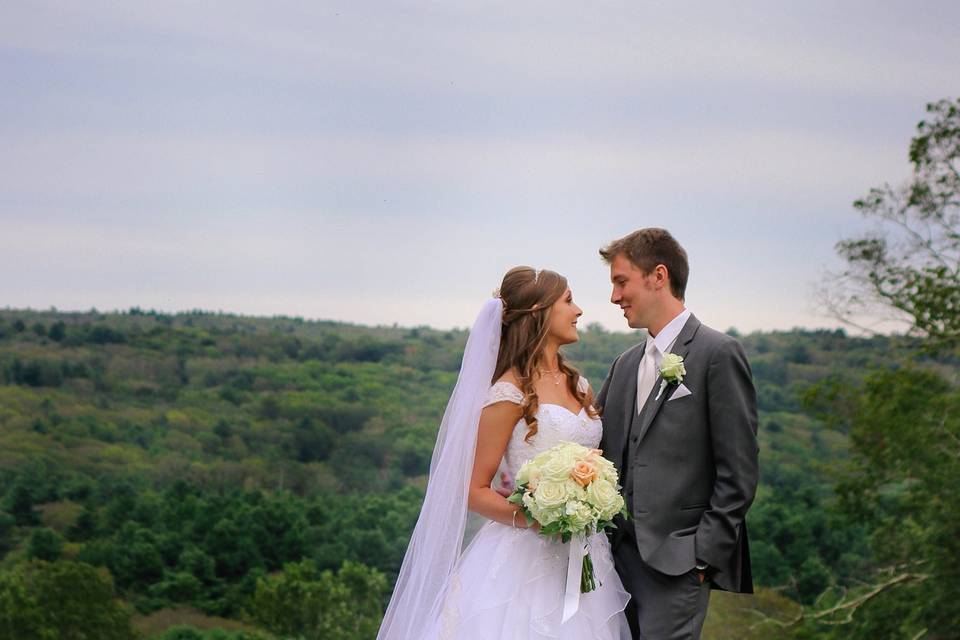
x=605 y=469
x=610 y=475
x=672 y=368
x=559 y=464
x=550 y=494
x=545 y=516
x=529 y=473
x=604 y=496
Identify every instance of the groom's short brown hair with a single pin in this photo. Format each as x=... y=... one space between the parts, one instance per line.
x=646 y=248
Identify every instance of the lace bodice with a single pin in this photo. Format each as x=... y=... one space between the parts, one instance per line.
x=555 y=424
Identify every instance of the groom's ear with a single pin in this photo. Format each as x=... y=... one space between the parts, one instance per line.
x=663 y=280
x=661 y=276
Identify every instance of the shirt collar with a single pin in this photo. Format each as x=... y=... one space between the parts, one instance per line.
x=669 y=333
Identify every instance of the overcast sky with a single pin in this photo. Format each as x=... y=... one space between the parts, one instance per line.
x=386 y=162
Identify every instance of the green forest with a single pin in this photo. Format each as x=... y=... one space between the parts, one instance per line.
x=200 y=476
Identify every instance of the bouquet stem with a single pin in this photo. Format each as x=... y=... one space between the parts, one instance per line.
x=588 y=581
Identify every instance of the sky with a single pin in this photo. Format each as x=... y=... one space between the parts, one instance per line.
x=385 y=163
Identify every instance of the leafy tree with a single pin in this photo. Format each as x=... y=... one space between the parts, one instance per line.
x=313 y=441
x=45 y=544
x=62 y=600
x=903 y=480
x=7 y=527
x=233 y=548
x=904 y=484
x=222 y=429
x=86 y=525
x=314 y=604
x=58 y=330
x=21 y=503
x=911 y=269
x=100 y=334
x=812 y=579
x=181 y=632
x=177 y=586
x=36 y=373
x=121 y=504
x=198 y=564
x=134 y=557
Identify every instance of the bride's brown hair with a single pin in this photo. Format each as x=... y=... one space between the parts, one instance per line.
x=527 y=296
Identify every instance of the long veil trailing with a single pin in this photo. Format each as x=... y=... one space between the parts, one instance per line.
x=435 y=544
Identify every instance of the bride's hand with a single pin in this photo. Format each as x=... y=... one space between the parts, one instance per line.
x=527 y=524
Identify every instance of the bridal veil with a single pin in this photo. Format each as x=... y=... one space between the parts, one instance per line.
x=435 y=544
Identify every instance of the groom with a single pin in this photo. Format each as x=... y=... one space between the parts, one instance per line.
x=684 y=442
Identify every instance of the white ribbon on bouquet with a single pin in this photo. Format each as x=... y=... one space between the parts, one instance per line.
x=571 y=596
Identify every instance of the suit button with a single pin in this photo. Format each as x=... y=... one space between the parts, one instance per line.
x=633 y=439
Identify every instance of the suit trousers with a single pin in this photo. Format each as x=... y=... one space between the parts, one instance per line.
x=661 y=607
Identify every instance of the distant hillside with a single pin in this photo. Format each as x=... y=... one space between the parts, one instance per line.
x=235 y=401
x=190 y=453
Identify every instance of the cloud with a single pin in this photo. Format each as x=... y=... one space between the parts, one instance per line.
x=387 y=162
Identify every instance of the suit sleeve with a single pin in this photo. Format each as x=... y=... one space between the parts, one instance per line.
x=601 y=398
x=732 y=409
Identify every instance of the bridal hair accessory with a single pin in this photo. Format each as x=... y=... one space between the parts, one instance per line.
x=434 y=547
x=509 y=315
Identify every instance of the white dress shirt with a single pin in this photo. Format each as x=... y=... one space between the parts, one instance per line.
x=657 y=347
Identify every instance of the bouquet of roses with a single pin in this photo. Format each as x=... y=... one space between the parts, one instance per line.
x=570 y=490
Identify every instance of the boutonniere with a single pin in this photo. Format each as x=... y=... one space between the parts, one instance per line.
x=671 y=371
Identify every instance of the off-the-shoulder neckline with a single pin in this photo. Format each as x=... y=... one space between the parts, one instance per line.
x=543 y=404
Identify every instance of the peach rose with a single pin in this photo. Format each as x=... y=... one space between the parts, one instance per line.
x=584 y=472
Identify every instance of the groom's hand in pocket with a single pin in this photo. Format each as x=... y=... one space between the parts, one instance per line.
x=701 y=570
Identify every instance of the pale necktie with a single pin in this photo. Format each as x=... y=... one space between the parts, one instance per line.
x=647 y=375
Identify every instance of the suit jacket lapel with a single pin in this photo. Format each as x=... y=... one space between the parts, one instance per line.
x=629 y=407
x=653 y=404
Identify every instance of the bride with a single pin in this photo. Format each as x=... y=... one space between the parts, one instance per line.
x=515 y=397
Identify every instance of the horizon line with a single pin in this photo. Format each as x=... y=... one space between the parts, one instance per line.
x=592 y=326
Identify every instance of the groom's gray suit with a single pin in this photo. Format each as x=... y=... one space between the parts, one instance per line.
x=689 y=470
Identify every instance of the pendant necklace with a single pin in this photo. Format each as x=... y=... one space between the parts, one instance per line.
x=556 y=375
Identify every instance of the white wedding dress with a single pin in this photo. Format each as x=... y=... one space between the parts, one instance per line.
x=508 y=584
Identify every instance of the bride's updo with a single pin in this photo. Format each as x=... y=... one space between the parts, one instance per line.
x=528 y=294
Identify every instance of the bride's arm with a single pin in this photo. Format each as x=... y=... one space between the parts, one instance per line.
x=496 y=425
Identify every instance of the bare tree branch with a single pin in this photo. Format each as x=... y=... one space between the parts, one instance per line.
x=846 y=607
